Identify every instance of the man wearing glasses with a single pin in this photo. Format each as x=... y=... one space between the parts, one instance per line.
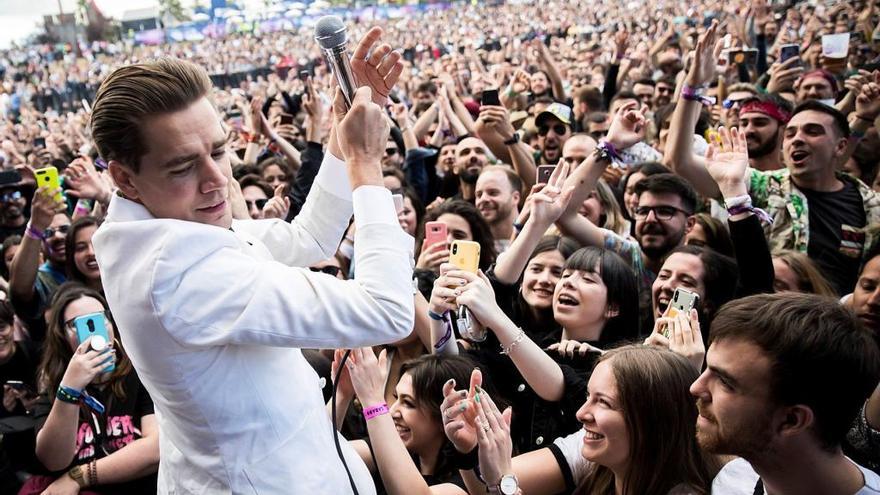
x=12 y=205
x=31 y=284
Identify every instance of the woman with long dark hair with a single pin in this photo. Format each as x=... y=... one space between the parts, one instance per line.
x=94 y=420
x=463 y=223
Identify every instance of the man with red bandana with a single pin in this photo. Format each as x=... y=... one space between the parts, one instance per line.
x=762 y=119
x=818 y=85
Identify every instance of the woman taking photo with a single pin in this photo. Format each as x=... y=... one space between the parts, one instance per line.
x=407 y=446
x=96 y=429
x=620 y=449
x=81 y=265
x=463 y=223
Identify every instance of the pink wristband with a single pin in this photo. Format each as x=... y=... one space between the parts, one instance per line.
x=377 y=410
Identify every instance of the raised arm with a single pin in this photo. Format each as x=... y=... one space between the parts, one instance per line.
x=26 y=261
x=551 y=68
x=495 y=130
x=548 y=204
x=679 y=155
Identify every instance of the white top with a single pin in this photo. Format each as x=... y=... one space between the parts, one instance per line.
x=212 y=318
x=738 y=478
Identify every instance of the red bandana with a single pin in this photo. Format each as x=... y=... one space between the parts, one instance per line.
x=767 y=108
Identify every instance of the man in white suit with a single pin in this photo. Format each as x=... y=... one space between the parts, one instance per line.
x=212 y=310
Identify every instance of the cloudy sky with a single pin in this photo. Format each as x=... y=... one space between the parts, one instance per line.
x=20 y=18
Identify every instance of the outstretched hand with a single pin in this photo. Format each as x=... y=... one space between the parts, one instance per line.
x=377 y=67
x=727 y=162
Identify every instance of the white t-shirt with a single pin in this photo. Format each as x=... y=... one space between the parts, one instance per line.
x=738 y=478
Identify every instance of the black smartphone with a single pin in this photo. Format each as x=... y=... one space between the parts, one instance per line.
x=743 y=57
x=789 y=51
x=286 y=119
x=490 y=97
x=39 y=142
x=21 y=386
x=9 y=177
x=304 y=75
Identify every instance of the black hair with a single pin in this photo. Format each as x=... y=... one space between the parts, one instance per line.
x=13 y=240
x=840 y=122
x=647 y=81
x=73 y=273
x=622 y=291
x=480 y=230
x=670 y=184
x=720 y=275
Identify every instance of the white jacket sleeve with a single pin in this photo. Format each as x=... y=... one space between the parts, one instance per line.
x=219 y=295
x=315 y=233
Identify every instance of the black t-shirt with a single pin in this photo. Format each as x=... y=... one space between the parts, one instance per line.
x=117 y=427
x=837 y=220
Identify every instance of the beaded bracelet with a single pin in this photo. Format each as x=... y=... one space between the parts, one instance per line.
x=377 y=410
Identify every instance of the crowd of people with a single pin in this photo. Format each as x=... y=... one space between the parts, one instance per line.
x=607 y=158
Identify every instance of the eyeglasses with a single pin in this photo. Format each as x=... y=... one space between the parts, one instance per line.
x=559 y=129
x=390 y=151
x=329 y=270
x=259 y=203
x=660 y=212
x=10 y=196
x=58 y=230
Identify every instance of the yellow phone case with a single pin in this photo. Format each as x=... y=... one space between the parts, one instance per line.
x=49 y=177
x=465 y=255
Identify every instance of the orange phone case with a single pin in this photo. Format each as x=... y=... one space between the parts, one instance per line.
x=465 y=255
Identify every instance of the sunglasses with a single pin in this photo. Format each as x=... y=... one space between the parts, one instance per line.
x=11 y=196
x=728 y=104
x=329 y=270
x=660 y=212
x=559 y=129
x=390 y=151
x=259 y=203
x=60 y=230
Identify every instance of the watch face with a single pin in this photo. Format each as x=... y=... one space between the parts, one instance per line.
x=508 y=484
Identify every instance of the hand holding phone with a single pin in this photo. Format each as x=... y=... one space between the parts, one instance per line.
x=48 y=177
x=683 y=301
x=434 y=232
x=93 y=328
x=490 y=98
x=465 y=255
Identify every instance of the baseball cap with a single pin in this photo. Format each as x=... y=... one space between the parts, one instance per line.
x=555 y=110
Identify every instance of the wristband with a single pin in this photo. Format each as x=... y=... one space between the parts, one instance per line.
x=513 y=140
x=606 y=151
x=93 y=472
x=68 y=395
x=743 y=204
x=435 y=316
x=35 y=233
x=696 y=94
x=441 y=342
x=377 y=410
x=737 y=201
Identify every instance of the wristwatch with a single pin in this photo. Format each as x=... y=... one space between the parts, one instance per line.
x=508 y=485
x=513 y=140
x=77 y=474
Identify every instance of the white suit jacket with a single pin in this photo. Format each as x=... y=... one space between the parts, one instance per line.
x=212 y=320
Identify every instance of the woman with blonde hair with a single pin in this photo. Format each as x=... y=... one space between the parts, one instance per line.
x=794 y=271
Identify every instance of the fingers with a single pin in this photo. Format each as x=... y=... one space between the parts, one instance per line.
x=378 y=55
x=362 y=96
x=476 y=381
x=367 y=42
x=448 y=388
x=340 y=107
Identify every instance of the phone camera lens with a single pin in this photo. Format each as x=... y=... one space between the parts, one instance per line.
x=455 y=249
x=675 y=296
x=91 y=325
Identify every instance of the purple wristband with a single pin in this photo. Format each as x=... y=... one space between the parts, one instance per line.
x=748 y=208
x=373 y=411
x=695 y=94
x=35 y=233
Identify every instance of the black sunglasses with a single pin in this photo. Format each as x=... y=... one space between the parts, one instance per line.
x=259 y=203
x=329 y=270
x=390 y=151
x=559 y=129
x=61 y=230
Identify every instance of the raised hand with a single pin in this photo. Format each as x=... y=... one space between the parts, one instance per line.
x=278 y=205
x=868 y=102
x=728 y=161
x=550 y=202
x=570 y=348
x=783 y=75
x=368 y=375
x=84 y=181
x=493 y=436
x=681 y=335
x=362 y=132
x=377 y=67
x=705 y=54
x=628 y=125
x=85 y=364
x=459 y=414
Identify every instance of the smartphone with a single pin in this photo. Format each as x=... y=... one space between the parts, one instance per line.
x=10 y=177
x=233 y=114
x=465 y=255
x=86 y=106
x=286 y=119
x=21 y=386
x=398 y=202
x=100 y=164
x=490 y=97
x=39 y=142
x=434 y=232
x=683 y=301
x=304 y=75
x=544 y=173
x=789 y=51
x=93 y=326
x=49 y=177
x=743 y=57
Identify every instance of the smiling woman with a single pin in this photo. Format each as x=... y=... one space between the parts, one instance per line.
x=81 y=265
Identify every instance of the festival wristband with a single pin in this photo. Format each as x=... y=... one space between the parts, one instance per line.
x=67 y=394
x=377 y=410
x=35 y=233
x=446 y=336
x=748 y=208
x=696 y=94
x=435 y=316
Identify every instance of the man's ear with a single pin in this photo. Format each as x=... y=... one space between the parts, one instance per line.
x=515 y=196
x=794 y=420
x=691 y=221
x=122 y=176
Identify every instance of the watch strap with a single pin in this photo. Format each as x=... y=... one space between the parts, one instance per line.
x=76 y=473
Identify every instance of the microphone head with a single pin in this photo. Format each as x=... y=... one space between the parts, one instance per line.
x=330 y=32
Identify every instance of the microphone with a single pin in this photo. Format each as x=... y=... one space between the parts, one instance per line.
x=331 y=35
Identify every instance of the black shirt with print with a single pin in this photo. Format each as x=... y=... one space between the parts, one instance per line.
x=837 y=220
x=100 y=435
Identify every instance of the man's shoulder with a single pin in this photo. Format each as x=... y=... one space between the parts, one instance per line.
x=736 y=477
x=872 y=482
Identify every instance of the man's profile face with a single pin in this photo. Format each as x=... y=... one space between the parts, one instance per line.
x=185 y=171
x=733 y=397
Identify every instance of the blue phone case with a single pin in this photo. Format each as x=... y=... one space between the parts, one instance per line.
x=91 y=325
